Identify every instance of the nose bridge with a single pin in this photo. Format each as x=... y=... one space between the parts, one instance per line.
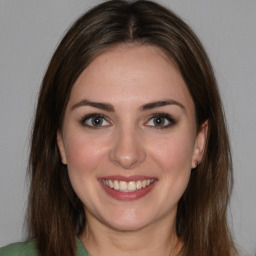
x=127 y=149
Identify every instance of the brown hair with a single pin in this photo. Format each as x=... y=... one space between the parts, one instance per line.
x=55 y=213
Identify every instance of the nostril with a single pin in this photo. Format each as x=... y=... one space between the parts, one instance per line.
x=127 y=161
x=127 y=149
x=127 y=158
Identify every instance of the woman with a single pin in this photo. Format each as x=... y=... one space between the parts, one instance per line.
x=129 y=153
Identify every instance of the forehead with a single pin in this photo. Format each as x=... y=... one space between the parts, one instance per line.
x=130 y=73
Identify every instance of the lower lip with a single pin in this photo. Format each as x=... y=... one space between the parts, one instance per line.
x=127 y=196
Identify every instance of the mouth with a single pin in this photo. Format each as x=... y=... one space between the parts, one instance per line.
x=127 y=186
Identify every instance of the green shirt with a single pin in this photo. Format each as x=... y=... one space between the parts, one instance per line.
x=28 y=248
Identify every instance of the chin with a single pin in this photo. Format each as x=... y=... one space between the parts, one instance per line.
x=128 y=226
x=128 y=221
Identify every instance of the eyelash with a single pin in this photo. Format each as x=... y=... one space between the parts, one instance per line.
x=90 y=116
x=168 y=117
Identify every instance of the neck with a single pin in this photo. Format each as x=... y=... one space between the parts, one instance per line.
x=156 y=239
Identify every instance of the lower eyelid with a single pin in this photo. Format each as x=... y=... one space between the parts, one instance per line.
x=171 y=121
x=167 y=117
x=85 y=118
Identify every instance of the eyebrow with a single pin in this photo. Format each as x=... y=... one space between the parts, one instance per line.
x=108 y=107
x=104 y=106
x=162 y=103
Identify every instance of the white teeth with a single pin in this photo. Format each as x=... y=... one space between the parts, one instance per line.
x=123 y=185
x=130 y=186
x=116 y=185
x=138 y=185
x=111 y=184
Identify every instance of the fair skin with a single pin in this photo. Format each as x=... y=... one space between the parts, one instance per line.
x=130 y=123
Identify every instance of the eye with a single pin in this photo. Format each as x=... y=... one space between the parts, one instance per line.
x=160 y=121
x=95 y=121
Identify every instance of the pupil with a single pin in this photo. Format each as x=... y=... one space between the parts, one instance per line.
x=158 y=121
x=97 y=121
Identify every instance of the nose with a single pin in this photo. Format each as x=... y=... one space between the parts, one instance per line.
x=128 y=149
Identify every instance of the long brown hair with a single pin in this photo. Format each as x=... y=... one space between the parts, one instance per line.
x=55 y=213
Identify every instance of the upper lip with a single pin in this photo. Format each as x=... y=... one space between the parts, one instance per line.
x=128 y=178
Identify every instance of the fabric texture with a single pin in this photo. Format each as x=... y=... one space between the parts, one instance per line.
x=28 y=248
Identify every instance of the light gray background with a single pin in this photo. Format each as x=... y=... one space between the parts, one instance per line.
x=29 y=33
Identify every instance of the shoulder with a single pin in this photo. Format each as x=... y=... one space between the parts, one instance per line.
x=20 y=249
x=28 y=248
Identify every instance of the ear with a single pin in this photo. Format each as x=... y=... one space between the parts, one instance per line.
x=61 y=147
x=200 y=144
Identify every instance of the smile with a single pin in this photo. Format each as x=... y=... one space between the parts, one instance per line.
x=127 y=186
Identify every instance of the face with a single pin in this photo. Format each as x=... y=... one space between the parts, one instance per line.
x=129 y=138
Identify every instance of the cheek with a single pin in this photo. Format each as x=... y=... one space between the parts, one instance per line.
x=84 y=156
x=83 y=153
x=174 y=153
x=172 y=158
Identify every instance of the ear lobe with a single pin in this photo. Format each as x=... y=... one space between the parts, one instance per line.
x=61 y=148
x=200 y=144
